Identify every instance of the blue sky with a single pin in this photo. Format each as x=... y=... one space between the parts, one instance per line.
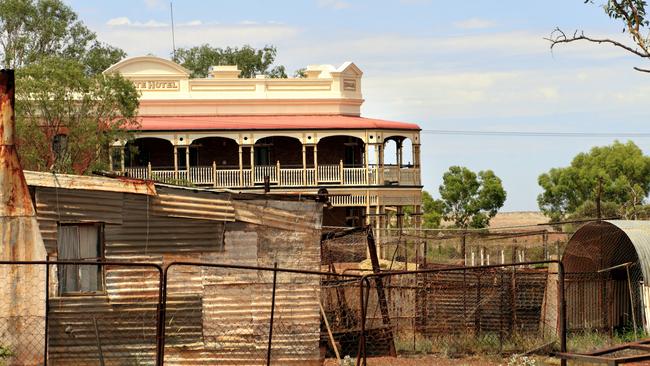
x=471 y=65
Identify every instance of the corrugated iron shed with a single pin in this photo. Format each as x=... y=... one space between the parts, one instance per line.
x=604 y=244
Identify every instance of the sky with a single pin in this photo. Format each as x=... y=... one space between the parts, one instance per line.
x=467 y=65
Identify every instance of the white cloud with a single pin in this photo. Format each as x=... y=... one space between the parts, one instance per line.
x=126 y=22
x=118 y=21
x=248 y=22
x=155 y=4
x=474 y=23
x=333 y=4
x=549 y=92
x=191 y=23
x=139 y=39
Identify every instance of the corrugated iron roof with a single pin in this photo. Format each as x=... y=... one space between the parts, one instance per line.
x=603 y=244
x=288 y=122
x=93 y=183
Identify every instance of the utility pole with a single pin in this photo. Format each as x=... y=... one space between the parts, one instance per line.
x=171 y=12
x=599 y=194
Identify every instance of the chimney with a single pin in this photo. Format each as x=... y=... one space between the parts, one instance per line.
x=225 y=72
x=22 y=287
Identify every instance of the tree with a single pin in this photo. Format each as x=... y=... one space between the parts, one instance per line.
x=470 y=200
x=617 y=175
x=432 y=211
x=632 y=13
x=65 y=118
x=250 y=61
x=31 y=30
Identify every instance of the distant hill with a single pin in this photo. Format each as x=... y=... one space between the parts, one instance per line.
x=518 y=218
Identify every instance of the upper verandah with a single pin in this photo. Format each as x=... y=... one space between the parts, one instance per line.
x=167 y=89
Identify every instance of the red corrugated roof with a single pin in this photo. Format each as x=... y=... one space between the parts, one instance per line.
x=299 y=122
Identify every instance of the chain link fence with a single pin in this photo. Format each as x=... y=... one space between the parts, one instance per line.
x=199 y=313
x=80 y=313
x=453 y=312
x=258 y=315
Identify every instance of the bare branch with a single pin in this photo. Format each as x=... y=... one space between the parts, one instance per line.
x=641 y=70
x=559 y=37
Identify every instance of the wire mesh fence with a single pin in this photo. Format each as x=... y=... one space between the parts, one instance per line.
x=471 y=248
x=81 y=313
x=229 y=314
x=199 y=313
x=501 y=309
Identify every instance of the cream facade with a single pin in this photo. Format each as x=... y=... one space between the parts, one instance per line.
x=298 y=135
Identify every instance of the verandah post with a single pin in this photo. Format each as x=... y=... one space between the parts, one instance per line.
x=214 y=174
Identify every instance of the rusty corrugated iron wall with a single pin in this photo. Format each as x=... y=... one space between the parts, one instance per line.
x=199 y=299
x=22 y=288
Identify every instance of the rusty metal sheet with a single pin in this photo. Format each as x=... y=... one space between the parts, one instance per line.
x=172 y=202
x=287 y=215
x=142 y=233
x=69 y=181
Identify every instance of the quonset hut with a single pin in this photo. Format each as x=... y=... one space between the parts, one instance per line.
x=607 y=265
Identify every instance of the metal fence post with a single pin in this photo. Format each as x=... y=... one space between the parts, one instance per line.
x=562 y=311
x=275 y=276
x=47 y=308
x=160 y=321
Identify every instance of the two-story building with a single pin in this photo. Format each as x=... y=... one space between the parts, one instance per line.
x=297 y=134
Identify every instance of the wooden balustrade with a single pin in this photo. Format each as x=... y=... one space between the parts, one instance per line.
x=291 y=177
x=328 y=174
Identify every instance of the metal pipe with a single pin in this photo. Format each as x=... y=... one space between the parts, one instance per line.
x=99 y=343
x=268 y=351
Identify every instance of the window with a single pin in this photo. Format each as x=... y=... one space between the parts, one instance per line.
x=60 y=146
x=263 y=154
x=80 y=242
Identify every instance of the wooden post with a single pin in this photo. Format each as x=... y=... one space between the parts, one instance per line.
x=341 y=171
x=122 y=159
x=277 y=172
x=241 y=167
x=377 y=149
x=316 y=164
x=187 y=162
x=366 y=163
x=252 y=147
x=399 y=162
x=214 y=174
x=110 y=158
x=175 y=162
x=304 y=165
x=380 y=166
x=149 y=171
x=367 y=207
x=381 y=295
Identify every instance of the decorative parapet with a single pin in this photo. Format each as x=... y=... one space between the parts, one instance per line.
x=168 y=87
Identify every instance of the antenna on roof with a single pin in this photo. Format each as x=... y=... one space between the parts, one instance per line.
x=171 y=11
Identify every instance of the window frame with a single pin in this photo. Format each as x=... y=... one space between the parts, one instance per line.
x=101 y=258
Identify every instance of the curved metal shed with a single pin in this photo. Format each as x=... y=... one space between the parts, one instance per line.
x=604 y=244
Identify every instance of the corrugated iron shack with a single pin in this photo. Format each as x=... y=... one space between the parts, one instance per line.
x=607 y=265
x=212 y=315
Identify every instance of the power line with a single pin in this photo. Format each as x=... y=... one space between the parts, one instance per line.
x=536 y=133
